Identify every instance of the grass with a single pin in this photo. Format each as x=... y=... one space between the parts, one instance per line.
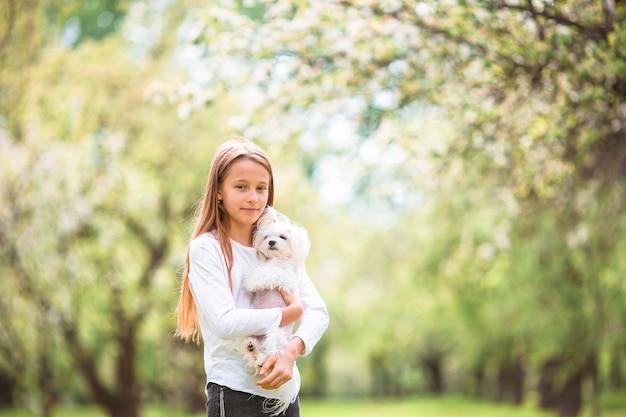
x=423 y=407
x=439 y=407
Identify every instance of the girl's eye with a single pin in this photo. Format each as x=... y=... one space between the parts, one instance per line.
x=261 y=188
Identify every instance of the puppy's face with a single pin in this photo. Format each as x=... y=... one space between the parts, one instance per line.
x=275 y=240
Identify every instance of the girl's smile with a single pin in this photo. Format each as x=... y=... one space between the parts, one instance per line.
x=244 y=195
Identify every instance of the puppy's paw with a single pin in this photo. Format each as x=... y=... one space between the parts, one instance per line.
x=248 y=347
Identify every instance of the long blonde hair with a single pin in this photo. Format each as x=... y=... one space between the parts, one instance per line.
x=211 y=216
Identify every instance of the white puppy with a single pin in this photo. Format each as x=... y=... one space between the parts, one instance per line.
x=281 y=247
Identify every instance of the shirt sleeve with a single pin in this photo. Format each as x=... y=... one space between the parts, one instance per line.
x=315 y=318
x=208 y=281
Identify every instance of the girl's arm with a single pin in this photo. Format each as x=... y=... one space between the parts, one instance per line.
x=278 y=369
x=315 y=318
x=214 y=300
x=294 y=309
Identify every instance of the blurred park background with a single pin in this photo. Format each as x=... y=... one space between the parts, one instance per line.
x=460 y=167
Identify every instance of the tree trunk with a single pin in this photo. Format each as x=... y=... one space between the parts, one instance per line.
x=7 y=385
x=548 y=393
x=479 y=376
x=594 y=401
x=570 y=398
x=381 y=375
x=318 y=366
x=616 y=368
x=46 y=381
x=566 y=398
x=511 y=381
x=123 y=400
x=432 y=364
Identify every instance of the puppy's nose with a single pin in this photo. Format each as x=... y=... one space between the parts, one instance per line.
x=271 y=242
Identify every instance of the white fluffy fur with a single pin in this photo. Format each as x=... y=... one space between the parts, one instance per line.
x=282 y=247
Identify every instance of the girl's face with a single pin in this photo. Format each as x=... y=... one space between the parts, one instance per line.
x=244 y=193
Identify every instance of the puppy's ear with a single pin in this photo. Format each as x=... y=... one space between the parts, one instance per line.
x=257 y=239
x=300 y=244
x=257 y=243
x=268 y=216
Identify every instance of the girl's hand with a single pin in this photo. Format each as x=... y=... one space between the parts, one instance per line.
x=294 y=309
x=288 y=297
x=278 y=369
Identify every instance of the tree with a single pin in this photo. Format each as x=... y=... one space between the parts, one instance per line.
x=95 y=178
x=536 y=91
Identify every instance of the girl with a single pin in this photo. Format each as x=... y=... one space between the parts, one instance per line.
x=215 y=307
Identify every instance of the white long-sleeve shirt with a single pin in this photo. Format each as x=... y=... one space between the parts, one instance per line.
x=225 y=315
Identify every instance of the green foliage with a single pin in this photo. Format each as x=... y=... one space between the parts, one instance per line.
x=81 y=21
x=459 y=166
x=523 y=79
x=520 y=207
x=96 y=179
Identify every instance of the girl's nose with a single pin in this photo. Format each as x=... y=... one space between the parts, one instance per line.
x=252 y=196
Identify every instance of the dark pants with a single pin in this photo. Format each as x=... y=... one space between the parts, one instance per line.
x=224 y=402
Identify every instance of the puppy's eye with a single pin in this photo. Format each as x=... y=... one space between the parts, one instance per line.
x=283 y=237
